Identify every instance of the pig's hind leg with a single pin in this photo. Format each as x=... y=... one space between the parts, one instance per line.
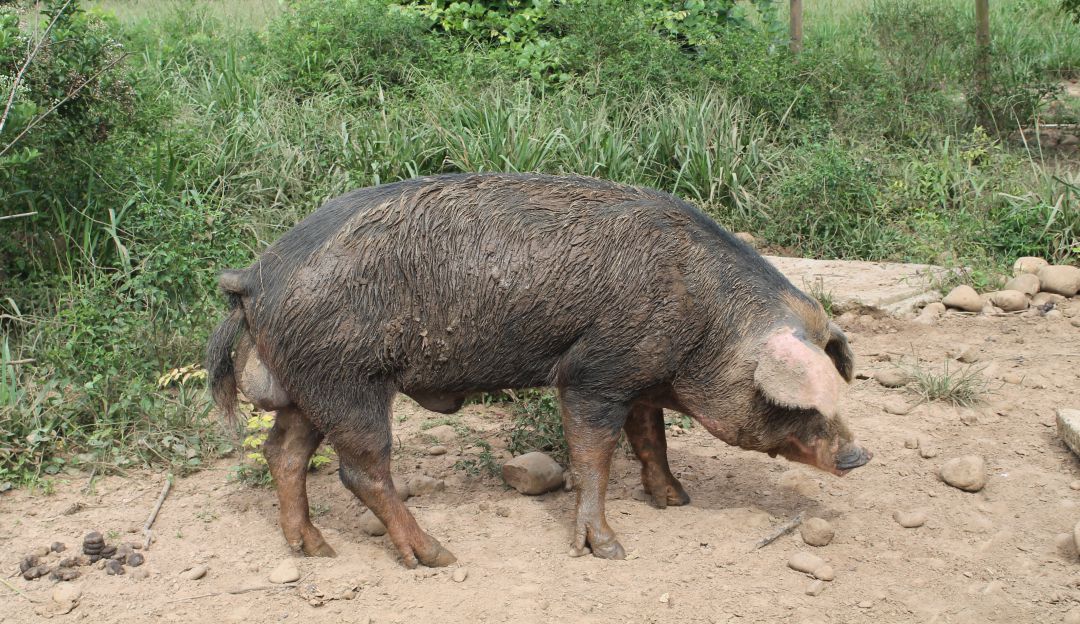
x=288 y=449
x=363 y=443
x=592 y=431
x=645 y=431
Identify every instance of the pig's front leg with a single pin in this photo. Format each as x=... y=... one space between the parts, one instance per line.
x=592 y=431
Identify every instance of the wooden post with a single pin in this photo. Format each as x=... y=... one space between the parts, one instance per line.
x=796 y=26
x=982 y=61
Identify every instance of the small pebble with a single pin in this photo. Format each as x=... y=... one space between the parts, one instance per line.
x=43 y=551
x=927 y=452
x=194 y=573
x=910 y=519
x=815 y=588
x=825 y=573
x=460 y=575
x=502 y=511
x=865 y=604
x=113 y=567
x=1075 y=485
x=285 y=572
x=437 y=450
x=665 y=598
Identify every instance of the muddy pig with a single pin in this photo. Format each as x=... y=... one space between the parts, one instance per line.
x=627 y=300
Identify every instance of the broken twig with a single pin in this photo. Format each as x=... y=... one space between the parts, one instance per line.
x=154 y=513
x=242 y=590
x=780 y=531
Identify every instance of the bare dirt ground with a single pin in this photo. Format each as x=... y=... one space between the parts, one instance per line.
x=994 y=556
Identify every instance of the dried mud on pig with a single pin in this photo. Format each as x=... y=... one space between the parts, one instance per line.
x=626 y=300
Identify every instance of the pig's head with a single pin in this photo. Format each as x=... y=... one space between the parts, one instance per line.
x=799 y=374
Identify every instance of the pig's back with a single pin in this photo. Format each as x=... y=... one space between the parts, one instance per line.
x=486 y=281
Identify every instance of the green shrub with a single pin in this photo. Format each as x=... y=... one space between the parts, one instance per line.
x=348 y=48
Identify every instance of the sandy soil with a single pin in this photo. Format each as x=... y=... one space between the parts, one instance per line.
x=994 y=556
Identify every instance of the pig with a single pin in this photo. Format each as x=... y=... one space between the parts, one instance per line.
x=626 y=300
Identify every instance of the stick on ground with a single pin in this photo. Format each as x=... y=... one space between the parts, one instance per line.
x=154 y=513
x=780 y=531
x=242 y=590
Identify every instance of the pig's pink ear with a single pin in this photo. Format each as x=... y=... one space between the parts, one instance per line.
x=794 y=373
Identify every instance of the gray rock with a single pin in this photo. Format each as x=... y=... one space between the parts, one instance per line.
x=817 y=532
x=967 y=473
x=113 y=567
x=285 y=572
x=1026 y=283
x=135 y=559
x=370 y=524
x=1060 y=279
x=423 y=484
x=963 y=298
x=533 y=473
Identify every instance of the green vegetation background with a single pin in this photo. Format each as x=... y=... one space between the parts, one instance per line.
x=197 y=132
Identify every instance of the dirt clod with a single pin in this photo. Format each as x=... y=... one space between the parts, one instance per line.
x=423 y=485
x=967 y=473
x=135 y=559
x=892 y=377
x=460 y=575
x=815 y=588
x=195 y=572
x=436 y=450
x=805 y=562
x=58 y=547
x=910 y=519
x=816 y=531
x=66 y=592
x=35 y=572
x=285 y=572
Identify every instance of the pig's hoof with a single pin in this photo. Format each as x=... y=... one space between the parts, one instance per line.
x=436 y=556
x=576 y=551
x=609 y=550
x=677 y=497
x=321 y=549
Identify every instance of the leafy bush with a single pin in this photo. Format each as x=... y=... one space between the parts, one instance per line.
x=346 y=47
x=537 y=426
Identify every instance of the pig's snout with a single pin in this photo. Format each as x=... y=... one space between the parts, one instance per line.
x=852 y=456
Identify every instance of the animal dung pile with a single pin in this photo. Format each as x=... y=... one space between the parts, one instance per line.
x=1035 y=288
x=111 y=558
